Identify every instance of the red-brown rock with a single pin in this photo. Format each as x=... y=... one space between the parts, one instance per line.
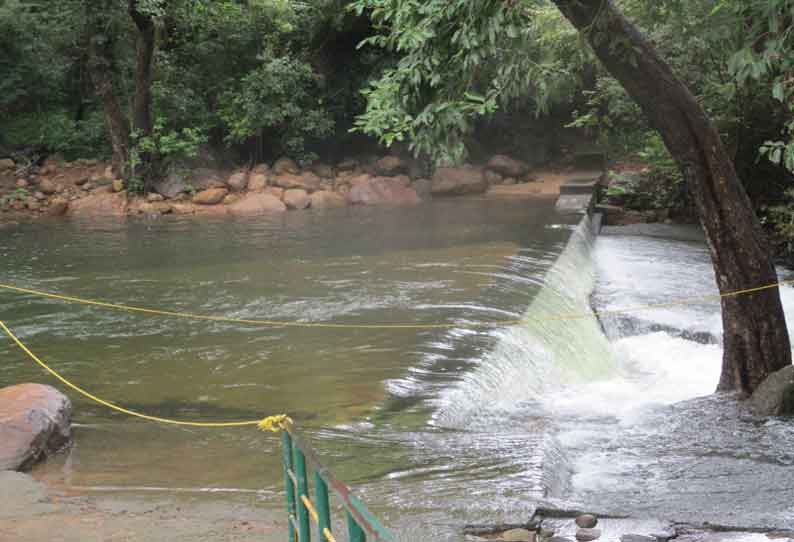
x=307 y=181
x=211 y=196
x=325 y=199
x=458 y=181
x=34 y=422
x=297 y=199
x=257 y=204
x=382 y=191
x=99 y=204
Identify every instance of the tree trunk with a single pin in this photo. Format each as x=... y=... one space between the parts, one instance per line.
x=756 y=341
x=142 y=99
x=99 y=69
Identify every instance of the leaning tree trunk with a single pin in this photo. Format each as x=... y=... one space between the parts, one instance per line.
x=100 y=72
x=756 y=340
x=142 y=99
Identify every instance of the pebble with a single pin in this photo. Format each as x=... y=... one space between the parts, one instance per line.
x=586 y=521
x=587 y=535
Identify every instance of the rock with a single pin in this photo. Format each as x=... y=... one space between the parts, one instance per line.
x=296 y=198
x=81 y=181
x=32 y=204
x=275 y=191
x=404 y=180
x=7 y=164
x=154 y=197
x=424 y=188
x=46 y=186
x=390 y=165
x=57 y=207
x=257 y=182
x=154 y=208
x=637 y=538
x=492 y=177
x=546 y=533
x=323 y=171
x=559 y=539
x=286 y=165
x=99 y=204
x=517 y=535
x=21 y=183
x=87 y=187
x=382 y=191
x=775 y=395
x=230 y=199
x=307 y=181
x=256 y=204
x=39 y=196
x=171 y=186
x=210 y=196
x=507 y=167
x=238 y=181
x=261 y=169
x=325 y=199
x=587 y=535
x=509 y=181
x=205 y=178
x=586 y=521
x=348 y=164
x=118 y=185
x=35 y=421
x=458 y=181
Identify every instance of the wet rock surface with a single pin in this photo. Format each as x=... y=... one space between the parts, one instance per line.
x=35 y=421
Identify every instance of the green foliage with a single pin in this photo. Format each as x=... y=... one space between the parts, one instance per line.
x=163 y=147
x=282 y=97
x=59 y=133
x=459 y=60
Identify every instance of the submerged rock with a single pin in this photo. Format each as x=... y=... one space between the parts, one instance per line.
x=517 y=535
x=775 y=395
x=35 y=421
x=587 y=535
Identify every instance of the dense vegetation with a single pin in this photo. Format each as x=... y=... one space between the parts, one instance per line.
x=255 y=79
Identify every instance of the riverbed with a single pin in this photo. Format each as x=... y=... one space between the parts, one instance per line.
x=434 y=428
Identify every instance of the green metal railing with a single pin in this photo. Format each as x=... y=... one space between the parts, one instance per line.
x=362 y=525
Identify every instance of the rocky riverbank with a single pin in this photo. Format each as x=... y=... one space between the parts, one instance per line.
x=89 y=188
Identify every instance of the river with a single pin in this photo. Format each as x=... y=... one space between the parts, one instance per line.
x=434 y=428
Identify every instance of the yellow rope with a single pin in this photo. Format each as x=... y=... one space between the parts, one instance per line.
x=281 y=323
x=270 y=423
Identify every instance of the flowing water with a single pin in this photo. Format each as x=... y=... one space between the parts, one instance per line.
x=434 y=428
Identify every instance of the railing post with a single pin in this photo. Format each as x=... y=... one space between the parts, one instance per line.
x=303 y=489
x=286 y=446
x=323 y=508
x=355 y=532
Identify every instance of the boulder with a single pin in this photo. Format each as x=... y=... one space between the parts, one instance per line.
x=327 y=200
x=586 y=521
x=152 y=198
x=262 y=169
x=238 y=182
x=423 y=188
x=458 y=181
x=307 y=181
x=382 y=191
x=257 y=204
x=57 y=207
x=35 y=421
x=171 y=186
x=507 y=167
x=389 y=166
x=404 y=180
x=286 y=165
x=588 y=535
x=323 y=170
x=7 y=164
x=275 y=191
x=229 y=199
x=775 y=395
x=348 y=164
x=257 y=181
x=204 y=178
x=210 y=196
x=296 y=198
x=49 y=187
x=492 y=177
x=99 y=204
